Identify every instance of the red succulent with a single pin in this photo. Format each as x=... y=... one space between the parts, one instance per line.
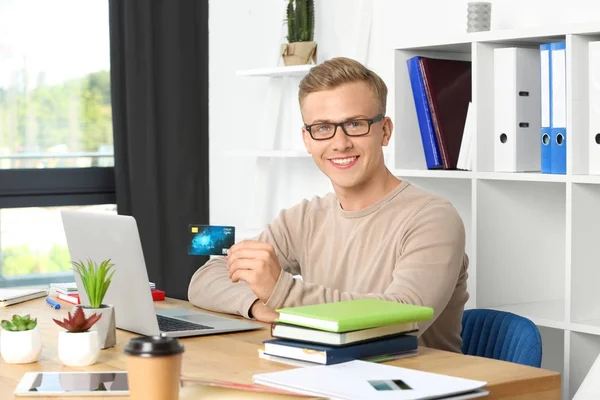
x=78 y=322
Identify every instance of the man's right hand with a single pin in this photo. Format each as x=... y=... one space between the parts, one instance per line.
x=263 y=313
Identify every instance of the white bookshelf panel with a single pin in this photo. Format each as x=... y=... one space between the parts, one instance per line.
x=520 y=240
x=458 y=192
x=584 y=350
x=585 y=253
x=578 y=87
x=408 y=150
x=553 y=350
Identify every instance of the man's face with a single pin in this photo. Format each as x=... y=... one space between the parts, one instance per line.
x=348 y=161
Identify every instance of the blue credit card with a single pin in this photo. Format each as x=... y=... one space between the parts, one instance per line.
x=210 y=240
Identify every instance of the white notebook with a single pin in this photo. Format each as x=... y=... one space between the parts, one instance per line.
x=11 y=296
x=367 y=380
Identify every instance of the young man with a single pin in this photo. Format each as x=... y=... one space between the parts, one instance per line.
x=376 y=236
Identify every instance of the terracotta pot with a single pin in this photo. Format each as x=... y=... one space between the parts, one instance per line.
x=299 y=53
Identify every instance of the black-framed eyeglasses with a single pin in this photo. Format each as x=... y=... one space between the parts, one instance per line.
x=352 y=127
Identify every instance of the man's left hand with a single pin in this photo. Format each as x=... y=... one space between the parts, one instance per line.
x=255 y=263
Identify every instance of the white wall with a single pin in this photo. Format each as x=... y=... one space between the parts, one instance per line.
x=247 y=34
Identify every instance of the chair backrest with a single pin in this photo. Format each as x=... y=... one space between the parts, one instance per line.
x=501 y=335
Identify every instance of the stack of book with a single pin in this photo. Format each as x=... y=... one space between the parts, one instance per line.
x=331 y=333
x=68 y=292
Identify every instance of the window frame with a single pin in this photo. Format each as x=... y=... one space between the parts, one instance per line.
x=53 y=187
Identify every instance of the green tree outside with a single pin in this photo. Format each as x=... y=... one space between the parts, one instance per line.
x=22 y=260
x=76 y=113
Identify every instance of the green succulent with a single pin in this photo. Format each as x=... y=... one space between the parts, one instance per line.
x=19 y=323
x=96 y=279
x=300 y=20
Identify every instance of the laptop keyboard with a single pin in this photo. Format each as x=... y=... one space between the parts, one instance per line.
x=166 y=324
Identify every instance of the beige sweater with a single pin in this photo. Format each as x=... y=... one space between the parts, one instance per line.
x=407 y=247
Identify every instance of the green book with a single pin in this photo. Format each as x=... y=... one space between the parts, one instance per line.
x=353 y=315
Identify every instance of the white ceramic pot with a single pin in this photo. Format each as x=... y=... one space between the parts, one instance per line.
x=78 y=349
x=21 y=347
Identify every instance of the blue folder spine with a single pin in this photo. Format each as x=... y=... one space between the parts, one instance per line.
x=559 y=108
x=546 y=109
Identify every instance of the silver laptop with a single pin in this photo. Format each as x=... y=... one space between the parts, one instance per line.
x=100 y=236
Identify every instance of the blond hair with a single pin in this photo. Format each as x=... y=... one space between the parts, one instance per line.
x=338 y=71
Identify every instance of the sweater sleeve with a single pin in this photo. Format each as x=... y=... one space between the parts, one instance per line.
x=210 y=287
x=431 y=251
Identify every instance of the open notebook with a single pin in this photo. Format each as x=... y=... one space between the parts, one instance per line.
x=10 y=296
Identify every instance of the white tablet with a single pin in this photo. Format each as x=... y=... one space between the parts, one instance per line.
x=92 y=383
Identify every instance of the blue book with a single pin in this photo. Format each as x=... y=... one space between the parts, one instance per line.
x=323 y=354
x=430 y=144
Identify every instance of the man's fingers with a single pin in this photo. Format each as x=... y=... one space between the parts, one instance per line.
x=250 y=244
x=248 y=253
x=246 y=275
x=243 y=264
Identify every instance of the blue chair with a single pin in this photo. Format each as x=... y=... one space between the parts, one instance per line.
x=502 y=336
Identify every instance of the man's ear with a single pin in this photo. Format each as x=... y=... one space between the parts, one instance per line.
x=388 y=127
x=306 y=139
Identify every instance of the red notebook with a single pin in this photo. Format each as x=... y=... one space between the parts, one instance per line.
x=448 y=88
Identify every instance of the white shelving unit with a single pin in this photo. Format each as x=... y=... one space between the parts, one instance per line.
x=274 y=148
x=532 y=238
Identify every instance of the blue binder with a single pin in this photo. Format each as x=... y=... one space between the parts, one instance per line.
x=558 y=89
x=546 y=103
x=428 y=137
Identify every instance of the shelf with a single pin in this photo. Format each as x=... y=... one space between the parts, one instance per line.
x=433 y=173
x=275 y=72
x=550 y=313
x=267 y=153
x=521 y=176
x=595 y=179
x=519 y=35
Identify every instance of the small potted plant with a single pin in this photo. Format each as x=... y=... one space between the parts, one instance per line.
x=78 y=346
x=96 y=280
x=20 y=341
x=301 y=47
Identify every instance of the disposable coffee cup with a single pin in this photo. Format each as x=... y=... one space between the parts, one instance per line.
x=154 y=367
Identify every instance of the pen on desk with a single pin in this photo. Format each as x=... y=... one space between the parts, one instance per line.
x=52 y=303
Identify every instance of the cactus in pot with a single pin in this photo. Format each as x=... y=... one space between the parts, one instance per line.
x=300 y=47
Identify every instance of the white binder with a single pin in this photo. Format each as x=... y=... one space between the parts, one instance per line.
x=594 y=108
x=517 y=115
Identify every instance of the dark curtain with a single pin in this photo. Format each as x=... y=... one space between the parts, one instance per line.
x=159 y=82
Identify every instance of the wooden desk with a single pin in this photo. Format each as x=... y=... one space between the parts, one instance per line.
x=234 y=357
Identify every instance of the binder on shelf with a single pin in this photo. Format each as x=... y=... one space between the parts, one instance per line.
x=558 y=90
x=594 y=108
x=464 y=156
x=517 y=119
x=546 y=109
x=430 y=143
x=448 y=87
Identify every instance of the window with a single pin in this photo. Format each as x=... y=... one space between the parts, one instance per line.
x=56 y=137
x=33 y=247
x=55 y=108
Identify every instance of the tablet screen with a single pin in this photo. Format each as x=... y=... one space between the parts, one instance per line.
x=61 y=382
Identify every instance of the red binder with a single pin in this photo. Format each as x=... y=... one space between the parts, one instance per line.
x=448 y=88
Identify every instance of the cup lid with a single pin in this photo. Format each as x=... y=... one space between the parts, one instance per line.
x=150 y=346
